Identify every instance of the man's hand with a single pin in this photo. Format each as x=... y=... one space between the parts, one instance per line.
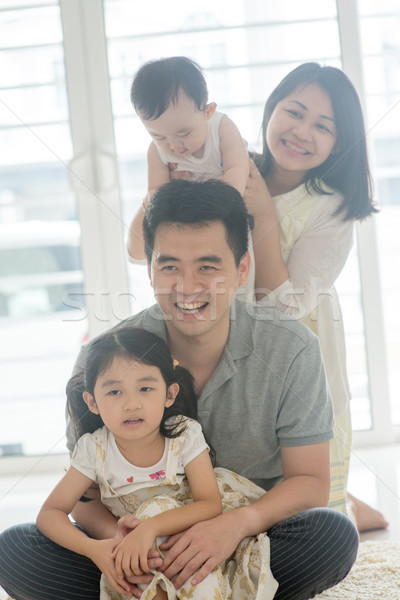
x=200 y=549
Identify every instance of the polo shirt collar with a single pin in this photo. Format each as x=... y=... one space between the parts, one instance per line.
x=153 y=321
x=240 y=338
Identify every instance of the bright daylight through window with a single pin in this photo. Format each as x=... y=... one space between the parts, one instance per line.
x=73 y=165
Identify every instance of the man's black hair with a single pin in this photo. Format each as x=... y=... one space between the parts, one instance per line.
x=194 y=202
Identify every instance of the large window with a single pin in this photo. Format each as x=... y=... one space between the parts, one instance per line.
x=73 y=172
x=40 y=268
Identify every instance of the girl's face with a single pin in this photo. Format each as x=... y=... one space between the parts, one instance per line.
x=130 y=397
x=301 y=132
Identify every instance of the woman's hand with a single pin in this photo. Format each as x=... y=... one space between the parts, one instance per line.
x=256 y=195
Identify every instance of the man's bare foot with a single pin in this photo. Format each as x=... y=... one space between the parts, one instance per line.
x=364 y=516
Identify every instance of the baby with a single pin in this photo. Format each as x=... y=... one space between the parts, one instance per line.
x=171 y=98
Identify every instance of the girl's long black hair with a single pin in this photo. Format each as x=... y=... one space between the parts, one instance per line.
x=130 y=343
x=346 y=170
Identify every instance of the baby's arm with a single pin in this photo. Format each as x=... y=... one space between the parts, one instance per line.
x=131 y=555
x=157 y=175
x=53 y=522
x=234 y=155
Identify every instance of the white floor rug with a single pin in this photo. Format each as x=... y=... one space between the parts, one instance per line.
x=375 y=575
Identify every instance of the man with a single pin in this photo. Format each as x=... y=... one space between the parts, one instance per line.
x=263 y=404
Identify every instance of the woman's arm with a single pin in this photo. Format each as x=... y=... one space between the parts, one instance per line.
x=157 y=175
x=131 y=555
x=53 y=521
x=235 y=159
x=270 y=268
x=316 y=259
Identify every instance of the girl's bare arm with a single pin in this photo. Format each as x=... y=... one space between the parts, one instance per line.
x=53 y=521
x=131 y=556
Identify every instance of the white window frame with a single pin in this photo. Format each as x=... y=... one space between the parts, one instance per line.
x=93 y=170
x=382 y=431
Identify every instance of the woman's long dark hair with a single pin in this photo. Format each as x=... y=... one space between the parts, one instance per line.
x=346 y=170
x=130 y=343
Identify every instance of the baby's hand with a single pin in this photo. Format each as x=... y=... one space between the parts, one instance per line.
x=174 y=174
x=131 y=554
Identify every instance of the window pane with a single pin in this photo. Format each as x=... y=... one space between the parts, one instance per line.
x=11 y=3
x=123 y=18
x=43 y=144
x=22 y=67
x=348 y=288
x=381 y=47
x=374 y=9
x=33 y=105
x=30 y=27
x=42 y=311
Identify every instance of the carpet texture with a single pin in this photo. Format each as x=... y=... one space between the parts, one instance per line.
x=375 y=575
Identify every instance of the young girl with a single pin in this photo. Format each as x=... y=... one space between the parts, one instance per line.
x=151 y=461
x=310 y=185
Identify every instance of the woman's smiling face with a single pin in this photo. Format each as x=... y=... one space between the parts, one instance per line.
x=301 y=132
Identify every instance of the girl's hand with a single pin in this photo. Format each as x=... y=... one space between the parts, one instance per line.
x=174 y=174
x=101 y=553
x=131 y=555
x=154 y=562
x=256 y=195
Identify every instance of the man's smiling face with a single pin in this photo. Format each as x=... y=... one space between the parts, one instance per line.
x=195 y=278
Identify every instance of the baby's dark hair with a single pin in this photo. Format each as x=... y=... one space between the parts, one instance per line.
x=158 y=82
x=130 y=343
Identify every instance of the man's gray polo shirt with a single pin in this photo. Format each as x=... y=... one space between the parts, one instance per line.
x=269 y=390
